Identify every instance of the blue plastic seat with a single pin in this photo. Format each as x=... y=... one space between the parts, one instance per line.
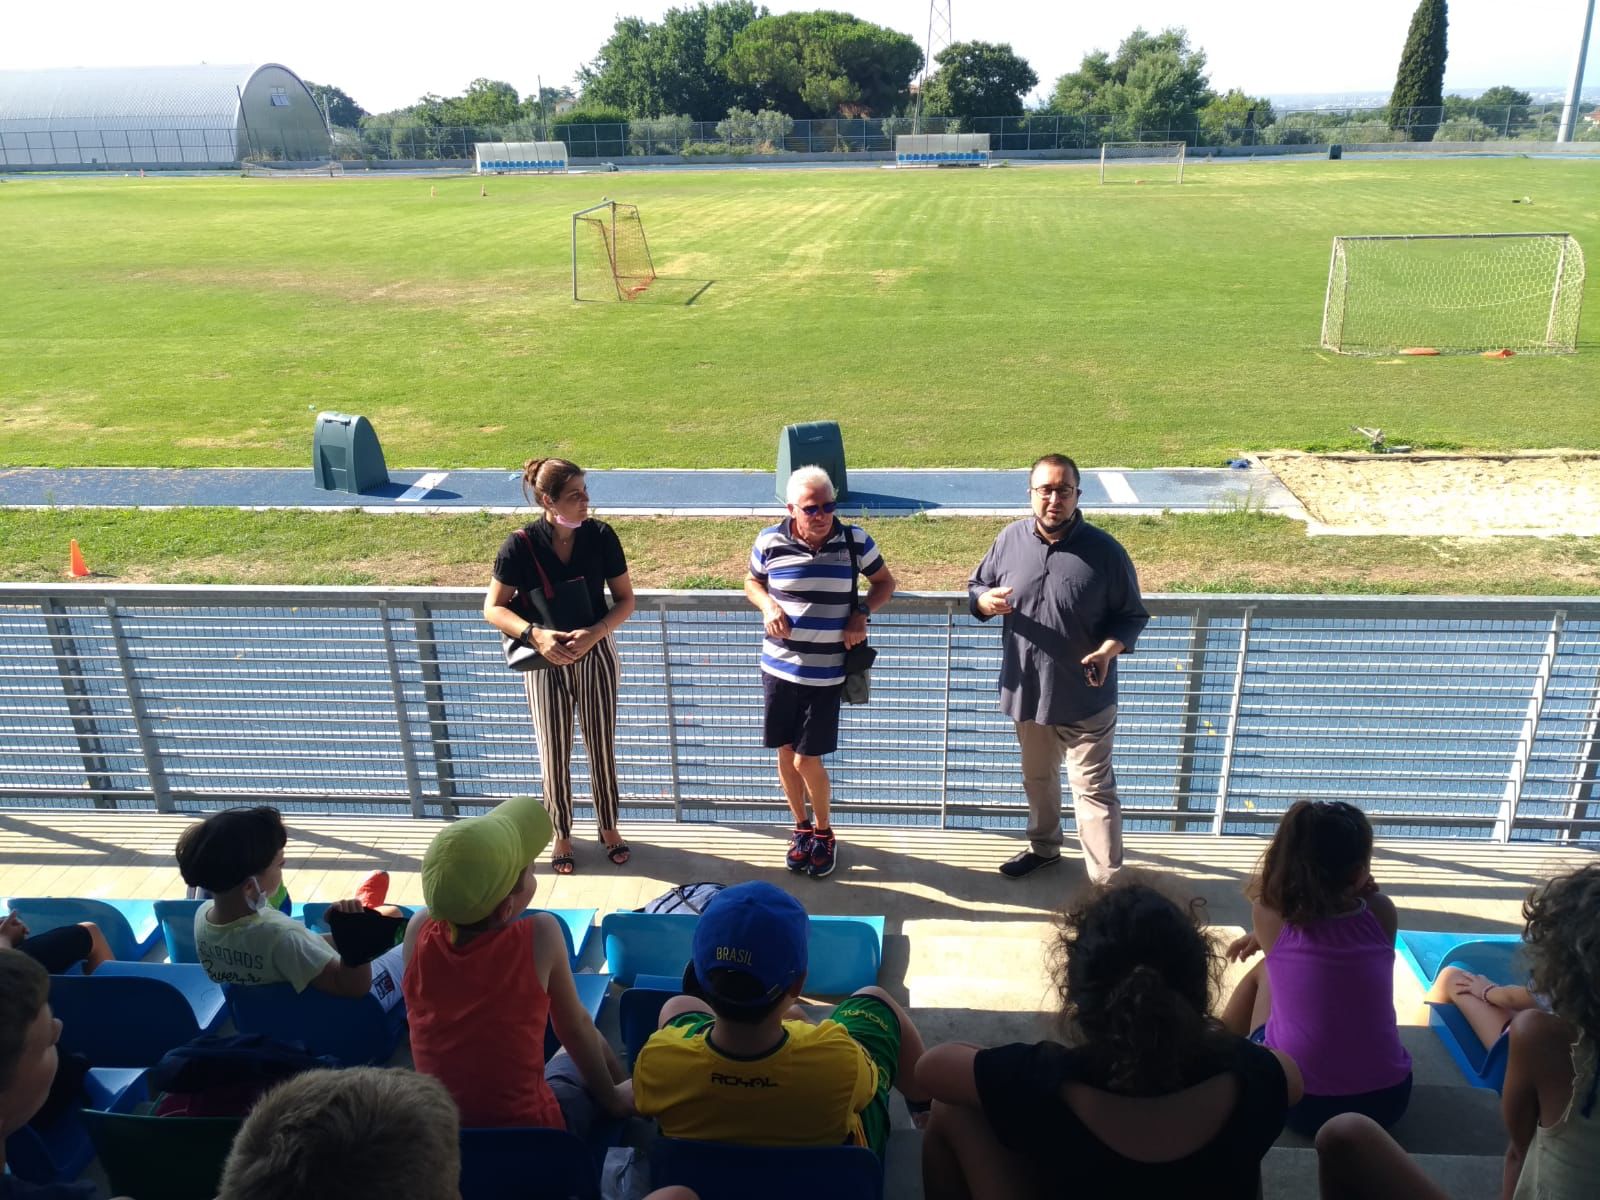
x=176 y=1158
x=60 y=1153
x=592 y=992
x=176 y=918
x=638 y=1014
x=844 y=952
x=1499 y=956
x=130 y=926
x=130 y=1014
x=718 y=1171
x=527 y=1164
x=356 y=1031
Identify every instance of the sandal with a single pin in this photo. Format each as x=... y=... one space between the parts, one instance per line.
x=563 y=864
x=618 y=852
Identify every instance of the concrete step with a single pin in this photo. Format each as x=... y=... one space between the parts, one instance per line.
x=1290 y=1173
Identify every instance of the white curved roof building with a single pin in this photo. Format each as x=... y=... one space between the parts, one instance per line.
x=198 y=116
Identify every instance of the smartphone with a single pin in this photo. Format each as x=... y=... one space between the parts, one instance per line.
x=1091 y=674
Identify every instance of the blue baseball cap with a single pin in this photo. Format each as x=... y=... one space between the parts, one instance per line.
x=753 y=929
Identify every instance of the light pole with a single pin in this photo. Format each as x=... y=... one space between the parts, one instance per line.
x=1569 y=112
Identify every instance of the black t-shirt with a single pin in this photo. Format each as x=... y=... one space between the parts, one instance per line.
x=12 y=1188
x=596 y=557
x=1020 y=1088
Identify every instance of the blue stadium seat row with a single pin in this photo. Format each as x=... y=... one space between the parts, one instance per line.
x=944 y=156
x=1498 y=956
x=542 y=164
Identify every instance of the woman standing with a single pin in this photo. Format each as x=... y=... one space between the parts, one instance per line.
x=567 y=546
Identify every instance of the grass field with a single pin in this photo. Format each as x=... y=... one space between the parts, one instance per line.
x=944 y=318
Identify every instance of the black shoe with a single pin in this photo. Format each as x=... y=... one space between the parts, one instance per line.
x=1026 y=863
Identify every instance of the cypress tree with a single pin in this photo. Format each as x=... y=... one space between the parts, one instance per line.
x=1420 y=81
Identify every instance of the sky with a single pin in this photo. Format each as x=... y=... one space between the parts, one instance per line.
x=387 y=59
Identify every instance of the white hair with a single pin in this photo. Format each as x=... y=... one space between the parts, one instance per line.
x=804 y=479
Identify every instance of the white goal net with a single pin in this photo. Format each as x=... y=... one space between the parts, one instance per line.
x=1142 y=162
x=519 y=158
x=261 y=170
x=1454 y=293
x=941 y=150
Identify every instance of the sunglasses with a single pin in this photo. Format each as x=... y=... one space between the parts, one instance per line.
x=812 y=510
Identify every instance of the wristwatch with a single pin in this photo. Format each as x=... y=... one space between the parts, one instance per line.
x=863 y=609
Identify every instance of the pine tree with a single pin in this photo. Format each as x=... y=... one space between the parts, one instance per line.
x=1420 y=81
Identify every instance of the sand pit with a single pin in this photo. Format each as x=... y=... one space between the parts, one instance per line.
x=1543 y=495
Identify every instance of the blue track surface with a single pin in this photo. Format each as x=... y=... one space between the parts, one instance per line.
x=697 y=493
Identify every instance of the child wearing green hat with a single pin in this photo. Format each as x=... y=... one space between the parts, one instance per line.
x=481 y=981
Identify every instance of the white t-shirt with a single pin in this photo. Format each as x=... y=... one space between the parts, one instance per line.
x=264 y=947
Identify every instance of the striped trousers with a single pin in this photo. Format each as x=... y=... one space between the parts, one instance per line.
x=584 y=692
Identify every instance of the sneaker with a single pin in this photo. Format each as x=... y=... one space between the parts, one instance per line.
x=824 y=855
x=374 y=889
x=799 y=856
x=1026 y=863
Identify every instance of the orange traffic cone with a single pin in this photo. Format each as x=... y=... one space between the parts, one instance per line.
x=77 y=568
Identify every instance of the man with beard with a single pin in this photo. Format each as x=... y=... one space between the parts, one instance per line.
x=1070 y=601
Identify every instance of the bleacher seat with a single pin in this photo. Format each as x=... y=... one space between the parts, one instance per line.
x=62 y=1152
x=356 y=1031
x=526 y=1164
x=176 y=918
x=174 y=1158
x=844 y=952
x=1499 y=956
x=130 y=1014
x=718 y=1171
x=130 y=926
x=592 y=992
x=638 y=1013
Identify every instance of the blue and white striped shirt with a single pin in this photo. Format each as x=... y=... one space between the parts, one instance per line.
x=813 y=589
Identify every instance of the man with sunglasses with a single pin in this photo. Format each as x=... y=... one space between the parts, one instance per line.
x=1070 y=600
x=802 y=578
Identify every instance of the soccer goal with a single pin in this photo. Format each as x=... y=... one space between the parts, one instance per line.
x=941 y=150
x=609 y=251
x=261 y=170
x=519 y=158
x=1454 y=293
x=1142 y=161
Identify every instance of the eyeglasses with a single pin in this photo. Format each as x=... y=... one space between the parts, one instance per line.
x=1051 y=492
x=812 y=510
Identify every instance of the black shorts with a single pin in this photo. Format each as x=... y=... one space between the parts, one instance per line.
x=57 y=949
x=801 y=716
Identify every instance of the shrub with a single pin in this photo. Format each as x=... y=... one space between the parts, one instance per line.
x=592 y=132
x=659 y=135
x=1464 y=129
x=764 y=131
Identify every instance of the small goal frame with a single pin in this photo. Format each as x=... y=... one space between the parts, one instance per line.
x=1181 y=147
x=610 y=207
x=1548 y=329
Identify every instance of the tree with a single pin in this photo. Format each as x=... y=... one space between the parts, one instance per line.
x=823 y=63
x=1502 y=96
x=1155 y=84
x=341 y=109
x=978 y=79
x=1418 y=97
x=1235 y=119
x=486 y=102
x=676 y=66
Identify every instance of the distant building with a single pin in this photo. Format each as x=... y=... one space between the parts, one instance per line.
x=565 y=105
x=196 y=116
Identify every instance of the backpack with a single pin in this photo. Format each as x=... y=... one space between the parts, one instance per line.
x=684 y=897
x=216 y=1076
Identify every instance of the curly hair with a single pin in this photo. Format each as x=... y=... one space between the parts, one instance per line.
x=1563 y=945
x=1308 y=870
x=1137 y=975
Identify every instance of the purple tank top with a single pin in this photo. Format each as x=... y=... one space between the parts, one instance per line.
x=1333 y=1004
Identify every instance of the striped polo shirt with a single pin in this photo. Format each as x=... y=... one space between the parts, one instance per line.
x=813 y=589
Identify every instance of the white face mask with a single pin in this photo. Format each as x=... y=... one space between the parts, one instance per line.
x=258 y=901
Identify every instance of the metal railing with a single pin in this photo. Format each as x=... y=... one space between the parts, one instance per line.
x=1440 y=717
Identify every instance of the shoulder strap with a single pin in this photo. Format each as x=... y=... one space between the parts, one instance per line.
x=855 y=562
x=544 y=580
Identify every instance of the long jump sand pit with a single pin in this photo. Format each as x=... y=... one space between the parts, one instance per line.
x=1543 y=494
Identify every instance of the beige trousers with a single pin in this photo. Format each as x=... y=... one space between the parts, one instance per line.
x=1086 y=746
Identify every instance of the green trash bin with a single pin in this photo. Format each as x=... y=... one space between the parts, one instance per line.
x=812 y=444
x=345 y=454
x=1335 y=151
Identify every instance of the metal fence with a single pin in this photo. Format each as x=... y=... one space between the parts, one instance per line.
x=176 y=140
x=1459 y=718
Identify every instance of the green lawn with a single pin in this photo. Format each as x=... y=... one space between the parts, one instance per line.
x=961 y=318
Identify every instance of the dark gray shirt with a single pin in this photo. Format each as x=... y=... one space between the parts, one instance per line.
x=1067 y=597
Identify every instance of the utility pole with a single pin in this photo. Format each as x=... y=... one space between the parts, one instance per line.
x=1569 y=111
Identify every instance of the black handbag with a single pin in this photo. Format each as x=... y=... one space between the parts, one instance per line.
x=859 y=658
x=564 y=605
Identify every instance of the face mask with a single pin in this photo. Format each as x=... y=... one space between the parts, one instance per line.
x=257 y=901
x=565 y=522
